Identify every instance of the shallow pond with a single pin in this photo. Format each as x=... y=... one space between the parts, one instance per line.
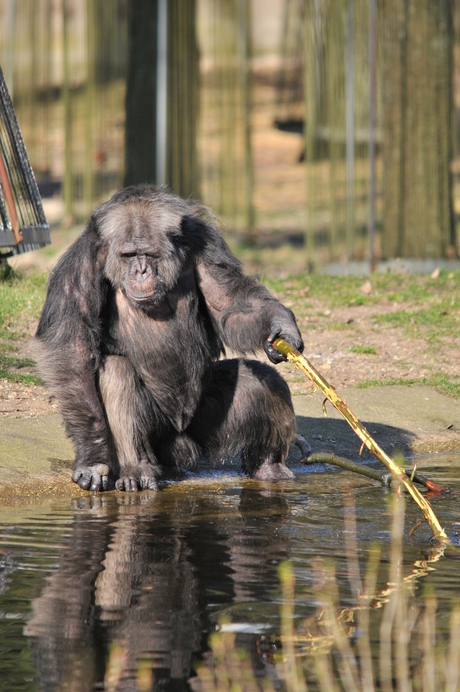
x=122 y=591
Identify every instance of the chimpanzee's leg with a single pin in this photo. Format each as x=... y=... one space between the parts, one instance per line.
x=132 y=418
x=247 y=408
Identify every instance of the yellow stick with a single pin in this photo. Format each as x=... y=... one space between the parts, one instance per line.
x=302 y=363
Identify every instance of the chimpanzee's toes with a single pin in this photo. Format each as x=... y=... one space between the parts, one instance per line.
x=148 y=482
x=82 y=478
x=99 y=482
x=131 y=484
x=137 y=478
x=127 y=483
x=92 y=477
x=273 y=472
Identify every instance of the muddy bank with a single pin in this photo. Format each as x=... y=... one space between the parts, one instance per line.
x=36 y=458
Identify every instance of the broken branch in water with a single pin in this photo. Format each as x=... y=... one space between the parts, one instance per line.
x=293 y=356
x=348 y=465
x=383 y=478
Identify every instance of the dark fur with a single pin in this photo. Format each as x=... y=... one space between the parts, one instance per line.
x=138 y=312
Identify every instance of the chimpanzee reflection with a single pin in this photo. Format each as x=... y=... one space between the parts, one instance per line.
x=142 y=580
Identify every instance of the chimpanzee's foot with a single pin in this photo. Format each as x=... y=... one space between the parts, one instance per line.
x=92 y=477
x=273 y=472
x=141 y=477
x=132 y=483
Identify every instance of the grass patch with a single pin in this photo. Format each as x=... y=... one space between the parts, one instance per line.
x=13 y=362
x=9 y=365
x=339 y=291
x=433 y=322
x=365 y=350
x=340 y=326
x=7 y=273
x=431 y=306
x=21 y=300
x=439 y=381
x=19 y=378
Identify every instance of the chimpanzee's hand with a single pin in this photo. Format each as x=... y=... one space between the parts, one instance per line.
x=283 y=327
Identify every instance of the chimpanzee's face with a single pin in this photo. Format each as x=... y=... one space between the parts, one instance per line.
x=141 y=280
x=145 y=259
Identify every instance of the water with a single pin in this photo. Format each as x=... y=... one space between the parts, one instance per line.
x=119 y=584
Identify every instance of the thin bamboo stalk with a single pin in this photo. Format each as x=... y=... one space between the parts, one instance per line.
x=303 y=364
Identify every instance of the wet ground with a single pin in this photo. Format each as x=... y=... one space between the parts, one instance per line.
x=121 y=591
x=36 y=458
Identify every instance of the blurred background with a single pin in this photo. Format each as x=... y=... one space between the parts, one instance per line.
x=328 y=126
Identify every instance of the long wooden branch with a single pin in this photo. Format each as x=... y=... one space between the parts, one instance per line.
x=303 y=364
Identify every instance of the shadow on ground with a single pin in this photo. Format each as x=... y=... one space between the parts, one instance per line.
x=337 y=437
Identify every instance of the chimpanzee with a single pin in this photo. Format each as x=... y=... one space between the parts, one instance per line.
x=130 y=341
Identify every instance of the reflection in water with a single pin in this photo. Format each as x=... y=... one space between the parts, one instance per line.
x=142 y=580
x=121 y=592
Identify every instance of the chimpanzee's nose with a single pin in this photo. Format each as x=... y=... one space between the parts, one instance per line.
x=141 y=266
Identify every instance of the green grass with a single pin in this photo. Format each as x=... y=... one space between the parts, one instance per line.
x=365 y=350
x=10 y=365
x=424 y=307
x=431 y=307
x=338 y=291
x=6 y=361
x=18 y=378
x=434 y=322
x=340 y=326
x=21 y=300
x=439 y=381
x=6 y=272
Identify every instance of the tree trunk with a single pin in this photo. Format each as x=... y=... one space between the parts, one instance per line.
x=140 y=129
x=417 y=110
x=182 y=173
x=183 y=99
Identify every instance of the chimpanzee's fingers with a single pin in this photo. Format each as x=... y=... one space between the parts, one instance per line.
x=273 y=355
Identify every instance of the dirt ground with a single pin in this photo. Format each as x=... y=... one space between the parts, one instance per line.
x=329 y=334
x=327 y=348
x=397 y=355
x=24 y=401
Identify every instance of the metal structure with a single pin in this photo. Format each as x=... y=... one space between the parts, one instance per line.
x=23 y=225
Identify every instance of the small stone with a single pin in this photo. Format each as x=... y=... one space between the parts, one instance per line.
x=366 y=288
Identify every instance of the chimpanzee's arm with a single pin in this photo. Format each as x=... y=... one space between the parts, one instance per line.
x=68 y=351
x=246 y=315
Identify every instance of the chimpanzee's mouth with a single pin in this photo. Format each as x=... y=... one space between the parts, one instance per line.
x=141 y=297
